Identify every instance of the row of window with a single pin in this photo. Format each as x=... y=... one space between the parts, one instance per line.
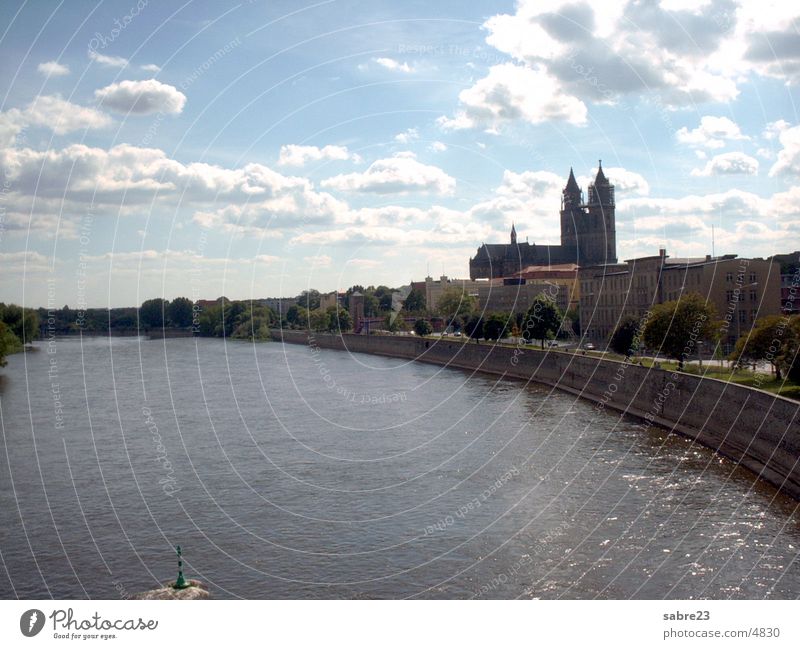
x=732 y=296
x=729 y=277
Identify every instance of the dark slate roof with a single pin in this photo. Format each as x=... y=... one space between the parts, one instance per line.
x=600 y=179
x=572 y=184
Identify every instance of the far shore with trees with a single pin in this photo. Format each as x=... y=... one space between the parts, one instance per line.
x=677 y=330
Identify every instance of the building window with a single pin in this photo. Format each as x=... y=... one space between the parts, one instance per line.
x=729 y=296
x=753 y=316
x=752 y=277
x=728 y=277
x=742 y=316
x=753 y=296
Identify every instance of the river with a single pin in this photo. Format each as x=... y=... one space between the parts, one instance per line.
x=293 y=472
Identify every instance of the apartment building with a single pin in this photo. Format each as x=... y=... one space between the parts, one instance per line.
x=742 y=290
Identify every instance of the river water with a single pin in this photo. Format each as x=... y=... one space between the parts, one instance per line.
x=293 y=472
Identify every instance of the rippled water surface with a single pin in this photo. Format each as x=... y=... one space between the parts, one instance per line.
x=289 y=472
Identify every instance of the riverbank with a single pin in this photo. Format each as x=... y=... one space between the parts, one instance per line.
x=757 y=429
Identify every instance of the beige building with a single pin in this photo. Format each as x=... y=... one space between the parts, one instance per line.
x=517 y=298
x=742 y=290
x=327 y=300
x=435 y=288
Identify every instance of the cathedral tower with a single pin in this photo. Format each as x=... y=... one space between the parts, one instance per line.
x=597 y=236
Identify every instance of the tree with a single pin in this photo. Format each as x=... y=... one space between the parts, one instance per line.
x=339 y=319
x=415 y=302
x=756 y=345
x=626 y=337
x=179 y=312
x=371 y=305
x=151 y=313
x=9 y=343
x=574 y=317
x=384 y=296
x=496 y=326
x=789 y=358
x=542 y=320
x=297 y=316
x=423 y=327
x=319 y=320
x=22 y=322
x=309 y=299
x=394 y=322
x=675 y=328
x=453 y=303
x=474 y=326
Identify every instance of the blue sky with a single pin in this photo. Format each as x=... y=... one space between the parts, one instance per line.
x=259 y=148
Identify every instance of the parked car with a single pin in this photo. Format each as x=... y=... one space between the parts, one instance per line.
x=552 y=343
x=589 y=346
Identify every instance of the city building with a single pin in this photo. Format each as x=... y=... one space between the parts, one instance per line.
x=433 y=289
x=588 y=235
x=790 y=282
x=357 y=311
x=742 y=290
x=280 y=305
x=517 y=297
x=327 y=300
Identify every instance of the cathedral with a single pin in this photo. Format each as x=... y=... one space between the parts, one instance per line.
x=588 y=235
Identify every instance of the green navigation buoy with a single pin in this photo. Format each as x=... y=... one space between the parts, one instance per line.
x=180 y=582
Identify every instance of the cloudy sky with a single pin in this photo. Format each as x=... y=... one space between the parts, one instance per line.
x=258 y=148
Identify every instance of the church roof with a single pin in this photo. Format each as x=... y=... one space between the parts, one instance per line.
x=572 y=184
x=600 y=179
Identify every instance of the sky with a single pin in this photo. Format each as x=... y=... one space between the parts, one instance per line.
x=260 y=148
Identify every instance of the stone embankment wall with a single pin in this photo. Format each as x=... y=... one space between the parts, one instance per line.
x=757 y=429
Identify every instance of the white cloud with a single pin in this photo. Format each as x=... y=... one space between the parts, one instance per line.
x=774 y=129
x=53 y=112
x=251 y=200
x=364 y=264
x=789 y=157
x=444 y=231
x=712 y=133
x=150 y=67
x=108 y=61
x=319 y=261
x=439 y=147
x=295 y=207
x=266 y=259
x=514 y=93
x=53 y=69
x=392 y=64
x=730 y=205
x=625 y=182
x=746 y=223
x=63 y=116
x=685 y=53
x=399 y=174
x=529 y=199
x=142 y=97
x=729 y=163
x=296 y=155
x=27 y=261
x=407 y=136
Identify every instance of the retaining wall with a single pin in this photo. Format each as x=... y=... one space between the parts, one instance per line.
x=757 y=429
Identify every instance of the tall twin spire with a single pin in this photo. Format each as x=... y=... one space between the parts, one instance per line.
x=600 y=178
